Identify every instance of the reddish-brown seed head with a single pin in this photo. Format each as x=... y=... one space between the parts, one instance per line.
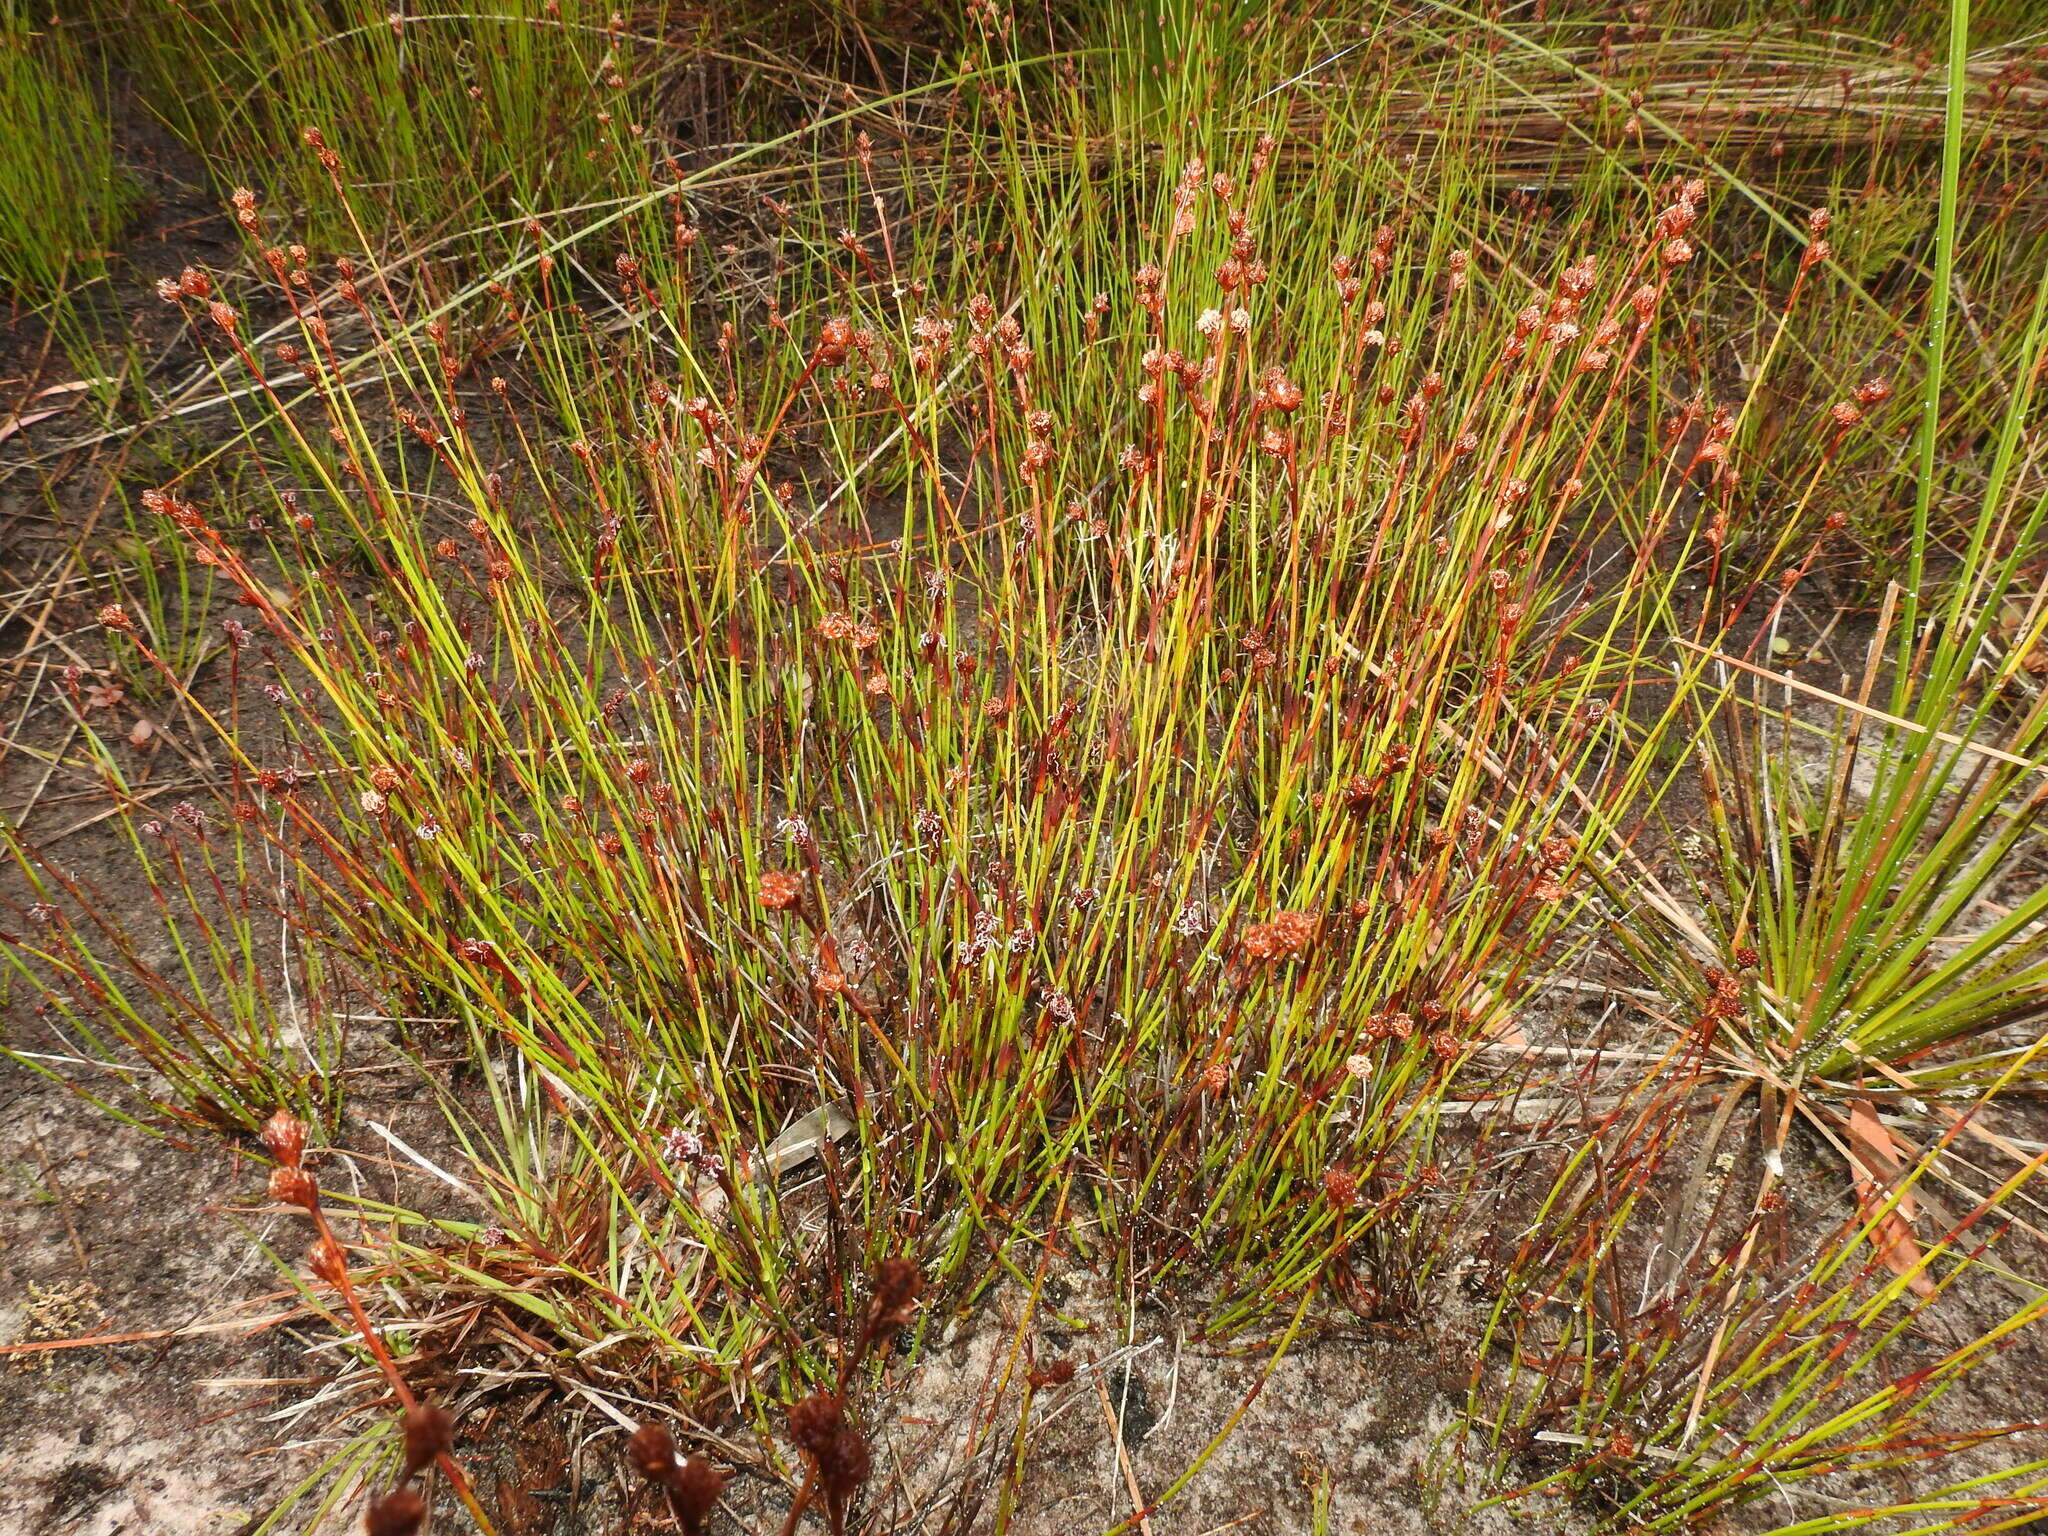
x=429 y=1435
x=652 y=1452
x=693 y=1490
x=814 y=1420
x=284 y=1137
x=400 y=1512
x=781 y=889
x=898 y=1281
x=291 y=1185
x=327 y=1261
x=835 y=339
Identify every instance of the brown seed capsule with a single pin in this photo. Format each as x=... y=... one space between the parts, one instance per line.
x=1057 y=1374
x=781 y=889
x=835 y=337
x=284 y=1137
x=693 y=1490
x=1288 y=933
x=400 y=1512
x=692 y=1485
x=327 y=1261
x=897 y=1284
x=818 y=1425
x=429 y=1435
x=814 y=1420
x=844 y=1464
x=652 y=1452
x=294 y=1186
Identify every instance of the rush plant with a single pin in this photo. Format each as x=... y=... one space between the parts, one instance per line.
x=1068 y=657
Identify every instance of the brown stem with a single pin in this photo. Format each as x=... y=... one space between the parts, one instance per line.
x=803 y=1496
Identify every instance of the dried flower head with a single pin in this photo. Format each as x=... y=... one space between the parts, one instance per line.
x=294 y=1186
x=1340 y=1186
x=327 y=1261
x=1278 y=392
x=835 y=340
x=429 y=1435
x=693 y=1491
x=814 y=1420
x=898 y=1282
x=651 y=1451
x=284 y=1138
x=818 y=1425
x=400 y=1512
x=1284 y=935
